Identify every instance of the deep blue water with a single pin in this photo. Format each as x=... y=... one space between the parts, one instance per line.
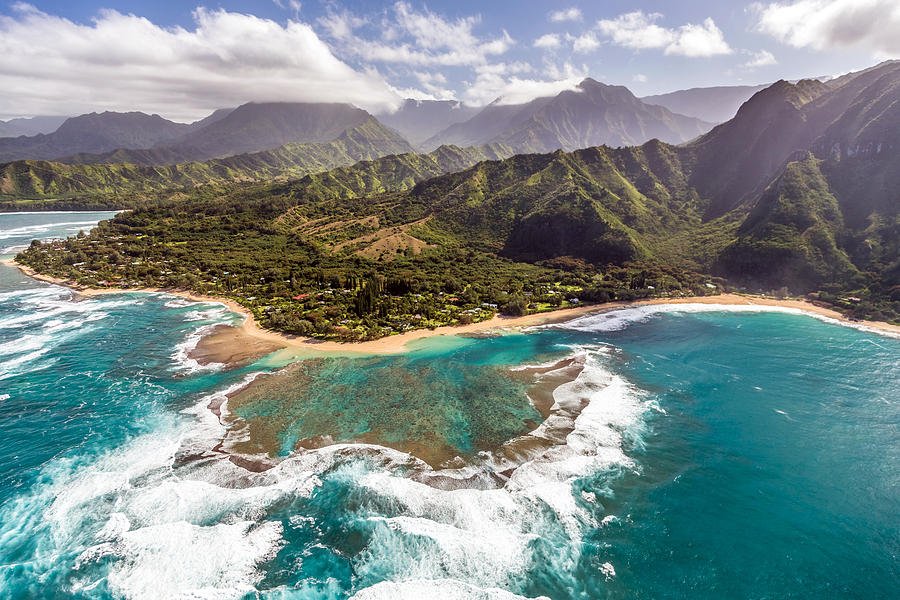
x=719 y=454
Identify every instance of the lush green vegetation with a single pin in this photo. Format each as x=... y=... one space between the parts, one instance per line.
x=315 y=259
x=43 y=185
x=422 y=240
x=291 y=285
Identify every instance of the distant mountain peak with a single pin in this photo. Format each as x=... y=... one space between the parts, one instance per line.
x=152 y=140
x=593 y=114
x=795 y=94
x=712 y=104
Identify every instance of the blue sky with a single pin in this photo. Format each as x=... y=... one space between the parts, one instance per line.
x=183 y=60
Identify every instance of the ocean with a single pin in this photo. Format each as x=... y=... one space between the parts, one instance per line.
x=691 y=452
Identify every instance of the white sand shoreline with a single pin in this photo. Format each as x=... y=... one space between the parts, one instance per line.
x=250 y=333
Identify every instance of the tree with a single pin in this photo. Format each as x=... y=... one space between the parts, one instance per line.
x=516 y=306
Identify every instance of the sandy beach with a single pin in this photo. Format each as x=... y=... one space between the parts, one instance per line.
x=249 y=339
x=254 y=444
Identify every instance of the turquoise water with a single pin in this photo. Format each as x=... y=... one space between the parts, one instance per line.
x=18 y=229
x=713 y=454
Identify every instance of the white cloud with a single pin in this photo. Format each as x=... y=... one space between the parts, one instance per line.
x=564 y=71
x=548 y=40
x=341 y=25
x=431 y=77
x=637 y=30
x=568 y=14
x=585 y=42
x=699 y=40
x=494 y=82
x=51 y=65
x=293 y=5
x=420 y=40
x=762 y=58
x=873 y=25
x=639 y=78
x=418 y=94
x=434 y=85
x=416 y=39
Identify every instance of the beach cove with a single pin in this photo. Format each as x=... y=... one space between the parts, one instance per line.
x=248 y=339
x=541 y=459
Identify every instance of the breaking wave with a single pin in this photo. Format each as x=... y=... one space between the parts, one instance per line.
x=621 y=318
x=171 y=509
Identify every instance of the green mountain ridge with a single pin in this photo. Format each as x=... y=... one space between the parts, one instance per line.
x=798 y=191
x=123 y=185
x=594 y=114
x=249 y=128
x=842 y=196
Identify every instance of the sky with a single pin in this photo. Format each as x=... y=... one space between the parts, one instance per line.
x=183 y=60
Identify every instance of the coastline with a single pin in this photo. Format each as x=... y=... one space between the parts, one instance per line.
x=240 y=345
x=251 y=333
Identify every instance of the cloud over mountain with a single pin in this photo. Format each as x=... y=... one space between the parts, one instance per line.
x=417 y=38
x=52 y=65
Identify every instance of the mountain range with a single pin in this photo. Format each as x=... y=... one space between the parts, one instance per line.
x=151 y=140
x=798 y=189
x=378 y=165
x=712 y=104
x=95 y=132
x=592 y=115
x=30 y=126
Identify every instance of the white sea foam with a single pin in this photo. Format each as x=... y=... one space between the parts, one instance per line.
x=178 y=302
x=209 y=314
x=22 y=354
x=485 y=536
x=52 y=302
x=5 y=296
x=445 y=589
x=15 y=366
x=612 y=416
x=35 y=231
x=164 y=530
x=619 y=319
x=480 y=536
x=26 y=343
x=182 y=354
x=183 y=560
x=608 y=570
x=41 y=319
x=154 y=527
x=214 y=315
